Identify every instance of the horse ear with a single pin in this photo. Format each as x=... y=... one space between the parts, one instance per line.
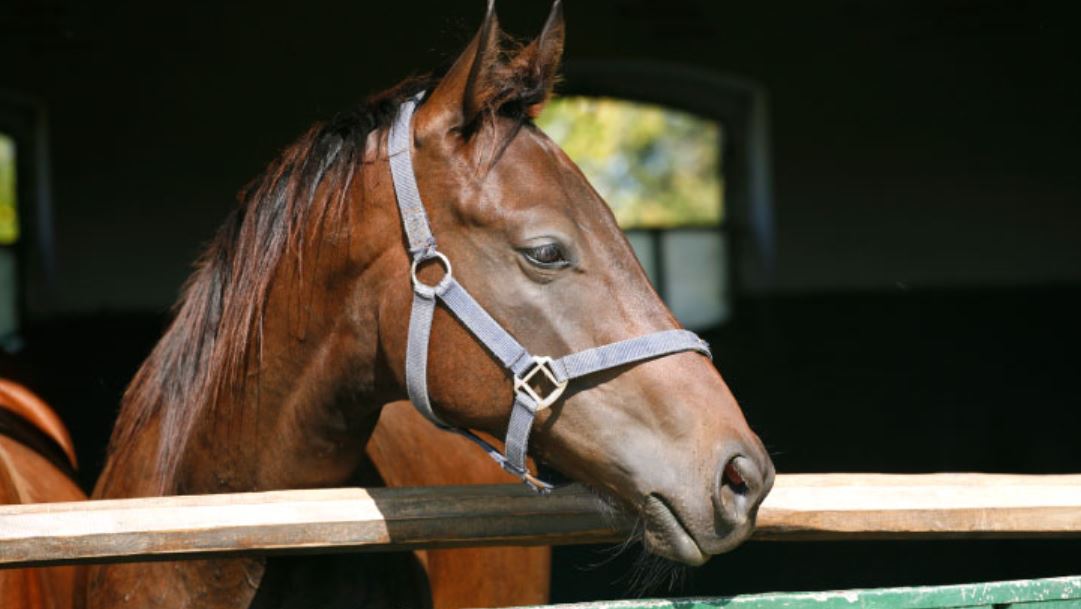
x=541 y=59
x=460 y=95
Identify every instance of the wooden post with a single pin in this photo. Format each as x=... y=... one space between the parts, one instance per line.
x=802 y=506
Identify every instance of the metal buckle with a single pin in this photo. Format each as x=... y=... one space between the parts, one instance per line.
x=521 y=383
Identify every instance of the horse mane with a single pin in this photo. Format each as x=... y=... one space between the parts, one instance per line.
x=214 y=337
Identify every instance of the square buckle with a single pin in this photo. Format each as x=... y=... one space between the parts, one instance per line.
x=541 y=365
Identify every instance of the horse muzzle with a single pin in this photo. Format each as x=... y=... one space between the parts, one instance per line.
x=676 y=530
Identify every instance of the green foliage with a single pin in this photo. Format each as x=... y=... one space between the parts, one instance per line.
x=656 y=167
x=9 y=220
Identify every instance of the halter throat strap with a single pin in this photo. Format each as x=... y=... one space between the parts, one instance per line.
x=554 y=373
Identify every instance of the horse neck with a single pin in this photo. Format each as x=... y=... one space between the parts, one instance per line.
x=303 y=413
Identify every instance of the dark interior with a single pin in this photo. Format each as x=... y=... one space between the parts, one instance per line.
x=920 y=312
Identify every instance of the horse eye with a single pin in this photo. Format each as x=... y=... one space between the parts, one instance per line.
x=549 y=255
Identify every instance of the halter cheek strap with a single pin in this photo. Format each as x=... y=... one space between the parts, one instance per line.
x=527 y=370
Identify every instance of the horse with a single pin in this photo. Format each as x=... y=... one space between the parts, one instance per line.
x=335 y=268
x=37 y=465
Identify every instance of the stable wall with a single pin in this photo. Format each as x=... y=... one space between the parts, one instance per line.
x=914 y=143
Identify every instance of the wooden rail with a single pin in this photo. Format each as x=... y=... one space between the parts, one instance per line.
x=802 y=506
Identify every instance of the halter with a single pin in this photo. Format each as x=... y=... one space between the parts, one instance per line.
x=524 y=367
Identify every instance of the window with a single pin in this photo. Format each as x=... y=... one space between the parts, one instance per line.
x=9 y=236
x=660 y=169
x=26 y=237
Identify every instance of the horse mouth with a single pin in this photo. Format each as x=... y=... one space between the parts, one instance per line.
x=666 y=536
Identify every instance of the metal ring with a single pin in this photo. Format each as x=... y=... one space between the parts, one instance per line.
x=443 y=283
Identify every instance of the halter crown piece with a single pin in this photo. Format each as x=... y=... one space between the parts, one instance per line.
x=524 y=367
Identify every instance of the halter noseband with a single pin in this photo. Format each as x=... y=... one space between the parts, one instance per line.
x=556 y=372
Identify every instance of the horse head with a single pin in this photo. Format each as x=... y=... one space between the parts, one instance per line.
x=539 y=250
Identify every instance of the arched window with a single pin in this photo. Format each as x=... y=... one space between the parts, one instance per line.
x=682 y=157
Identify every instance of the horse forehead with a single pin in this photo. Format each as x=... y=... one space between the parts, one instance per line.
x=537 y=172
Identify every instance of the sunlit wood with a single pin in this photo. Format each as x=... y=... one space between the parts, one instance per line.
x=802 y=506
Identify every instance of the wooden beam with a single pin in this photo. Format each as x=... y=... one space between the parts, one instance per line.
x=802 y=506
x=938 y=506
x=298 y=521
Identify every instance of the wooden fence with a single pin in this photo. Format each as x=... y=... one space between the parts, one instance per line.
x=801 y=507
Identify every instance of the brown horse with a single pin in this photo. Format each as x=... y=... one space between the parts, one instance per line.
x=291 y=336
x=36 y=459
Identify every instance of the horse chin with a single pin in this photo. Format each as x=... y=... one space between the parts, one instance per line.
x=666 y=536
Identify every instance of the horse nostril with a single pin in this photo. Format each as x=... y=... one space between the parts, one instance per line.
x=739 y=490
x=733 y=478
